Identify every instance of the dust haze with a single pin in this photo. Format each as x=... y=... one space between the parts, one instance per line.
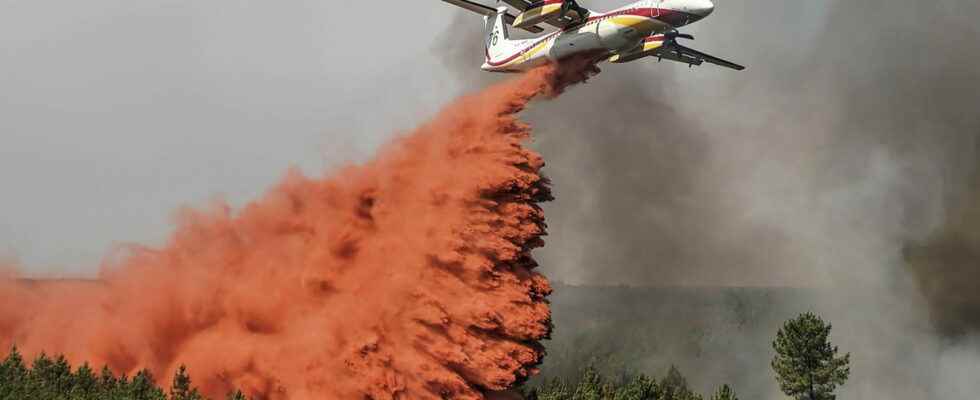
x=844 y=159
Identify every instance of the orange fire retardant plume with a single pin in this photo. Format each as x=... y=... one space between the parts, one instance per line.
x=408 y=277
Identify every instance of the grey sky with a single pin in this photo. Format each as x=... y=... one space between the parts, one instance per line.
x=115 y=113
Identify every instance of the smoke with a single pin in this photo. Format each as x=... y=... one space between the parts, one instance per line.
x=407 y=277
x=637 y=179
x=844 y=159
x=945 y=266
x=885 y=158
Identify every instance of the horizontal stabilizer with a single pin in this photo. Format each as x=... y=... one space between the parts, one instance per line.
x=541 y=12
x=573 y=15
x=490 y=12
x=519 y=4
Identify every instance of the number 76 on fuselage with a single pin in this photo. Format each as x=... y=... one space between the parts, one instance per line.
x=646 y=28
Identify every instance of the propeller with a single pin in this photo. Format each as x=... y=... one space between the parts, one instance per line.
x=672 y=37
x=572 y=5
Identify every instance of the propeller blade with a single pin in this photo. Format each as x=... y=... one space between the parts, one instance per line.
x=675 y=34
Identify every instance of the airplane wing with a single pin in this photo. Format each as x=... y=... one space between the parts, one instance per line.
x=519 y=4
x=560 y=23
x=675 y=52
x=484 y=10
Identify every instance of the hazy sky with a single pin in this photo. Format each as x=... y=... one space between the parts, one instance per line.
x=115 y=113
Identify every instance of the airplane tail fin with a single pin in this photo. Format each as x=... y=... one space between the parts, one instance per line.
x=497 y=36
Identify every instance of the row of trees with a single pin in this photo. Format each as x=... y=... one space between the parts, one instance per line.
x=806 y=365
x=54 y=379
x=591 y=385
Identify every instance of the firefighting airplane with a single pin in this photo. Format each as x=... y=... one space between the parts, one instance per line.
x=646 y=28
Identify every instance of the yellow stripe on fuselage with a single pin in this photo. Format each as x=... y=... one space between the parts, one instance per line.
x=652 y=45
x=544 y=44
x=537 y=49
x=645 y=25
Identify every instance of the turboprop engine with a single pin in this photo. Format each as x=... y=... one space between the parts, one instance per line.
x=652 y=45
x=550 y=10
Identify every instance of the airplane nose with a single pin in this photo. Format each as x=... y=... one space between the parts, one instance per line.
x=702 y=7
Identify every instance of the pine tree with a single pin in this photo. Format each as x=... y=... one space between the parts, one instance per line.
x=61 y=378
x=107 y=381
x=121 y=389
x=13 y=376
x=806 y=364
x=640 y=387
x=236 y=395
x=181 y=388
x=41 y=377
x=725 y=392
x=555 y=389
x=674 y=387
x=143 y=387
x=84 y=383
x=590 y=386
x=13 y=367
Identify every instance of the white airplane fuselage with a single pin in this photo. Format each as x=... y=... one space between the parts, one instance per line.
x=615 y=32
